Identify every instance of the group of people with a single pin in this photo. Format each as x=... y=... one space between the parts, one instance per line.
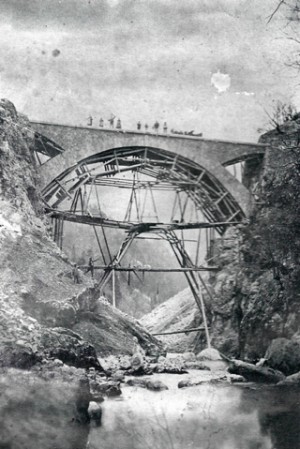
x=111 y=122
x=156 y=127
x=75 y=271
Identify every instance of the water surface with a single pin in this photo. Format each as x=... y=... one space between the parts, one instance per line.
x=209 y=416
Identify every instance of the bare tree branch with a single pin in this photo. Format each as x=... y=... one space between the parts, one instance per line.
x=275 y=11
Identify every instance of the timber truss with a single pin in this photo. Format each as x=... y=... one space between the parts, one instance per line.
x=151 y=170
x=195 y=200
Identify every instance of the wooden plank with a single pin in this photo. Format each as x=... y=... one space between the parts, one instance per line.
x=194 y=329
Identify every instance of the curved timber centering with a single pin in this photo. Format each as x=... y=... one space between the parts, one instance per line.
x=163 y=171
x=96 y=157
x=211 y=155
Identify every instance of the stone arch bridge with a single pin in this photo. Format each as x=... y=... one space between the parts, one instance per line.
x=79 y=160
x=75 y=144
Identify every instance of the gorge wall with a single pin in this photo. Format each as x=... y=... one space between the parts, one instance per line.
x=256 y=290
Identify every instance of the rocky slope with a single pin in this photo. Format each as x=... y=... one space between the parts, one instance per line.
x=37 y=289
x=256 y=290
x=50 y=328
x=177 y=313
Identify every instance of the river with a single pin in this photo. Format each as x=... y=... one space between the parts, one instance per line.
x=208 y=416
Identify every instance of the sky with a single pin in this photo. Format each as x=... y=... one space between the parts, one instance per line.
x=213 y=66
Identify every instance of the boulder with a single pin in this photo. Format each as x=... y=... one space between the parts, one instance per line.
x=171 y=366
x=110 y=364
x=291 y=381
x=189 y=356
x=137 y=382
x=109 y=388
x=124 y=362
x=95 y=413
x=185 y=383
x=253 y=373
x=196 y=365
x=209 y=354
x=284 y=355
x=137 y=362
x=194 y=382
x=67 y=346
x=153 y=385
x=118 y=376
x=18 y=355
x=156 y=385
x=235 y=378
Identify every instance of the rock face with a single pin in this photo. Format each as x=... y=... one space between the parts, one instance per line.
x=113 y=332
x=284 y=355
x=177 y=313
x=42 y=312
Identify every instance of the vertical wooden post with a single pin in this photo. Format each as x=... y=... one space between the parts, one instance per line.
x=114 y=287
x=204 y=316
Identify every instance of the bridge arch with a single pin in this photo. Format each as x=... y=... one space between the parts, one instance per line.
x=154 y=162
x=150 y=168
x=82 y=143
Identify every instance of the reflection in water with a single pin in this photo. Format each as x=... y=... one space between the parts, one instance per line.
x=278 y=414
x=203 y=417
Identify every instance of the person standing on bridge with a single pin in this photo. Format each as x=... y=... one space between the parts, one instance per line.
x=119 y=126
x=165 y=128
x=146 y=127
x=156 y=126
x=111 y=120
x=101 y=122
x=139 y=125
x=90 y=120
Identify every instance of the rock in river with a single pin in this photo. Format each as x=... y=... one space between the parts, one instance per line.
x=209 y=354
x=253 y=373
x=95 y=413
x=284 y=355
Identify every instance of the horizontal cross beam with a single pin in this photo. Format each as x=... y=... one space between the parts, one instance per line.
x=194 y=329
x=138 y=227
x=146 y=269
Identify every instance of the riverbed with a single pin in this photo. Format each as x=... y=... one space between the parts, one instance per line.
x=208 y=416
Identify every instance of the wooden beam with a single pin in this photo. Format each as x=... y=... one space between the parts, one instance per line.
x=154 y=270
x=138 y=227
x=194 y=329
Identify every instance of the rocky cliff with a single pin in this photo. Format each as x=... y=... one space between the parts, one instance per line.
x=256 y=290
x=52 y=331
x=37 y=289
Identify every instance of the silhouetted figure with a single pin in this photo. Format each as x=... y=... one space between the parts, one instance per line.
x=75 y=273
x=146 y=127
x=119 y=126
x=165 y=128
x=101 y=122
x=156 y=126
x=90 y=121
x=139 y=126
x=111 y=121
x=91 y=267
